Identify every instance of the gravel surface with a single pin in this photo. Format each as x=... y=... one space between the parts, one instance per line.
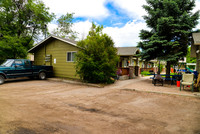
x=53 y=107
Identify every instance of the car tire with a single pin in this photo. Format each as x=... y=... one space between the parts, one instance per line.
x=2 y=79
x=42 y=76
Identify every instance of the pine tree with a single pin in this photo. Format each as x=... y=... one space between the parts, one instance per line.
x=170 y=23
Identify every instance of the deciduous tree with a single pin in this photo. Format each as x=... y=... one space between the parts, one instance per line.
x=64 y=28
x=21 y=21
x=97 y=60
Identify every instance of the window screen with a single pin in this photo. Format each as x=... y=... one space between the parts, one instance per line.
x=73 y=55
x=27 y=63
x=69 y=56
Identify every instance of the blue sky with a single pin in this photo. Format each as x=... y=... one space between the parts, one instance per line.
x=122 y=19
x=116 y=17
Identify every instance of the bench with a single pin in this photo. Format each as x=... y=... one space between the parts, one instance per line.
x=172 y=79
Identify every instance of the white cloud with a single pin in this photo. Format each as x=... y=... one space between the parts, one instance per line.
x=82 y=28
x=81 y=8
x=127 y=35
x=95 y=9
x=197 y=7
x=133 y=8
x=51 y=27
x=124 y=36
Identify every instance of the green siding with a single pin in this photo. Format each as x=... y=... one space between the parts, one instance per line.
x=58 y=50
x=39 y=56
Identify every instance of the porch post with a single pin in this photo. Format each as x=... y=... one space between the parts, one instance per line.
x=131 y=61
x=137 y=62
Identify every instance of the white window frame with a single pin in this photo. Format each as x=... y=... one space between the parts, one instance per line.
x=71 y=55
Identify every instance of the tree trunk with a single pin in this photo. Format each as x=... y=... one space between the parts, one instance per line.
x=168 y=68
x=145 y=64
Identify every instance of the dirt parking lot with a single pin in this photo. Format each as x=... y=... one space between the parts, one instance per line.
x=49 y=107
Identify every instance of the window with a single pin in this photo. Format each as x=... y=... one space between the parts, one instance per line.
x=126 y=63
x=27 y=63
x=18 y=63
x=8 y=63
x=70 y=56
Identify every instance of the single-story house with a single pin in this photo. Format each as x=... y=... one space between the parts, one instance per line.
x=59 y=53
x=128 y=60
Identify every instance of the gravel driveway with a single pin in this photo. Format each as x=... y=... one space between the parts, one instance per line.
x=49 y=107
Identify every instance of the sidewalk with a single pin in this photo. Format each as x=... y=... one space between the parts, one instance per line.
x=141 y=84
x=144 y=84
x=75 y=82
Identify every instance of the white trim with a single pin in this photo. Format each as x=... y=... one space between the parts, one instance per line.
x=65 y=40
x=71 y=55
x=52 y=36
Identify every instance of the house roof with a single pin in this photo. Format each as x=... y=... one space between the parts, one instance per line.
x=127 y=51
x=196 y=38
x=50 y=38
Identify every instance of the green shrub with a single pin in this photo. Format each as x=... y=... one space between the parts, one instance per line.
x=145 y=73
x=97 y=60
